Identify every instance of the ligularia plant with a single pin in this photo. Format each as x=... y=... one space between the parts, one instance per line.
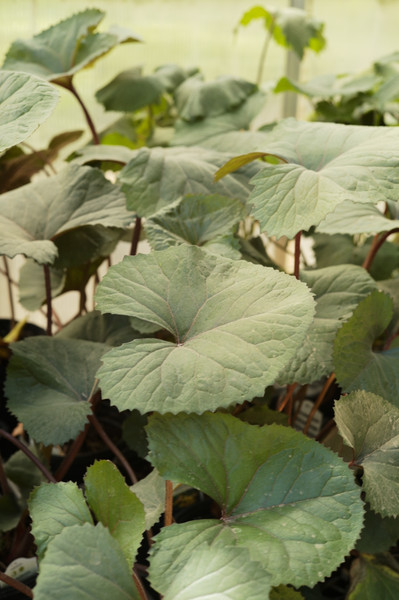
x=239 y=418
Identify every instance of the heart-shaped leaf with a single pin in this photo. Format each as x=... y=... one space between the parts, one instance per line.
x=85 y=562
x=233 y=326
x=25 y=102
x=370 y=425
x=45 y=56
x=59 y=375
x=158 y=177
x=197 y=99
x=115 y=506
x=326 y=163
x=53 y=507
x=357 y=364
x=337 y=291
x=130 y=90
x=77 y=197
x=292 y=502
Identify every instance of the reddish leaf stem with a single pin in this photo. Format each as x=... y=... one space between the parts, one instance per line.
x=168 y=503
x=139 y=586
x=135 y=237
x=319 y=402
x=114 y=449
x=47 y=283
x=288 y=397
x=375 y=246
x=89 y=120
x=10 y=294
x=17 y=585
x=3 y=480
x=297 y=257
x=29 y=454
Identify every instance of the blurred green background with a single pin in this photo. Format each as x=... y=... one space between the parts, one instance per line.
x=201 y=33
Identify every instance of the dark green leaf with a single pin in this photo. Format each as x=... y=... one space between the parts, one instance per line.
x=370 y=425
x=371 y=579
x=112 y=330
x=378 y=534
x=49 y=381
x=358 y=365
x=196 y=99
x=130 y=90
x=77 y=197
x=290 y=501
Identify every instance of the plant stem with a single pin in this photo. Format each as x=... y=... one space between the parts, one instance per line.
x=297 y=257
x=139 y=586
x=263 y=53
x=94 y=398
x=89 y=120
x=29 y=454
x=47 y=283
x=375 y=246
x=17 y=585
x=10 y=294
x=135 y=237
x=114 y=449
x=319 y=402
x=3 y=480
x=168 y=503
x=288 y=397
x=71 y=455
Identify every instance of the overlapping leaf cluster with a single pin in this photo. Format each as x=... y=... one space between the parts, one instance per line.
x=196 y=335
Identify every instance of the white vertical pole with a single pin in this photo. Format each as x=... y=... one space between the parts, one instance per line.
x=292 y=71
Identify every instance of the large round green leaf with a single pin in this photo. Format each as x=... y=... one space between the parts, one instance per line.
x=77 y=197
x=233 y=326
x=25 y=102
x=48 y=385
x=326 y=163
x=358 y=365
x=337 y=291
x=85 y=562
x=292 y=502
x=158 y=177
x=370 y=425
x=44 y=55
